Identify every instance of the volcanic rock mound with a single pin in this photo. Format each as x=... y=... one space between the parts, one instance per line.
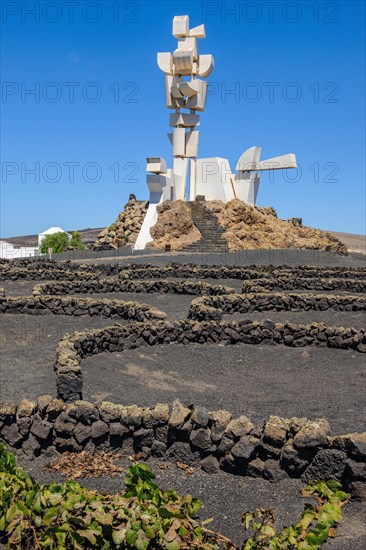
x=251 y=227
x=175 y=226
x=245 y=227
x=124 y=230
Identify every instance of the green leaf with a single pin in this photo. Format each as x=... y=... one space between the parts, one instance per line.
x=118 y=536
x=16 y=535
x=37 y=503
x=60 y=536
x=50 y=515
x=183 y=531
x=130 y=537
x=103 y=518
x=173 y=545
x=268 y=531
x=247 y=519
x=88 y=534
x=170 y=512
x=142 y=542
x=207 y=521
x=148 y=530
x=312 y=539
x=13 y=512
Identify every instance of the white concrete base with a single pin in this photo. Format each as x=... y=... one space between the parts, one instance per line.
x=246 y=185
x=161 y=189
x=150 y=220
x=213 y=179
x=179 y=177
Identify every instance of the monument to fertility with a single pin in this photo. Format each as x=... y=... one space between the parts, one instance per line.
x=186 y=92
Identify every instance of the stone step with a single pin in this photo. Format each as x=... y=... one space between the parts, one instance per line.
x=211 y=241
x=214 y=237
x=211 y=232
x=205 y=247
x=210 y=229
x=202 y=242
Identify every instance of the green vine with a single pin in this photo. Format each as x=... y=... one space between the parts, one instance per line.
x=68 y=516
x=316 y=525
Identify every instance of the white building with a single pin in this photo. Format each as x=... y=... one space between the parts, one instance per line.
x=8 y=251
x=51 y=231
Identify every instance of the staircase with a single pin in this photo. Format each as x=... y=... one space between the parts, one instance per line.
x=207 y=224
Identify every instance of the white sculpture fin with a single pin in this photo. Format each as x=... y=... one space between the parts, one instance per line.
x=205 y=65
x=198 y=32
x=165 y=62
x=249 y=159
x=278 y=163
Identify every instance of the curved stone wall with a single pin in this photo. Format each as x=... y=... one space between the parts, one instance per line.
x=290 y=283
x=73 y=348
x=213 y=307
x=41 y=274
x=214 y=441
x=96 y=286
x=48 y=305
x=237 y=272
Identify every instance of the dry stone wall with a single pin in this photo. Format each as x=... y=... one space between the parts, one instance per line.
x=214 y=441
x=238 y=272
x=291 y=283
x=73 y=348
x=213 y=307
x=48 y=305
x=96 y=286
x=53 y=270
x=279 y=448
x=41 y=274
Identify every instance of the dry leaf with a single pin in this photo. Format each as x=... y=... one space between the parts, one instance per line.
x=84 y=464
x=183 y=466
x=164 y=466
x=136 y=456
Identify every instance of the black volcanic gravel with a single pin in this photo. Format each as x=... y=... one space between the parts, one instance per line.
x=225 y=497
x=245 y=379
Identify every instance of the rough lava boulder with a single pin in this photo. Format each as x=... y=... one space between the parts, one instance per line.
x=245 y=227
x=251 y=227
x=174 y=227
x=124 y=231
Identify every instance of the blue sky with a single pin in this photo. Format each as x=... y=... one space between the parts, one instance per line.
x=295 y=71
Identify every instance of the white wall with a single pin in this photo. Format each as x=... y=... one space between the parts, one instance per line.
x=213 y=179
x=160 y=191
x=8 y=251
x=51 y=231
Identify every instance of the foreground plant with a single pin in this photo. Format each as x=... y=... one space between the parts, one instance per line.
x=317 y=522
x=143 y=517
x=68 y=516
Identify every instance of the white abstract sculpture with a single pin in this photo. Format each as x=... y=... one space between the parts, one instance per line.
x=185 y=89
